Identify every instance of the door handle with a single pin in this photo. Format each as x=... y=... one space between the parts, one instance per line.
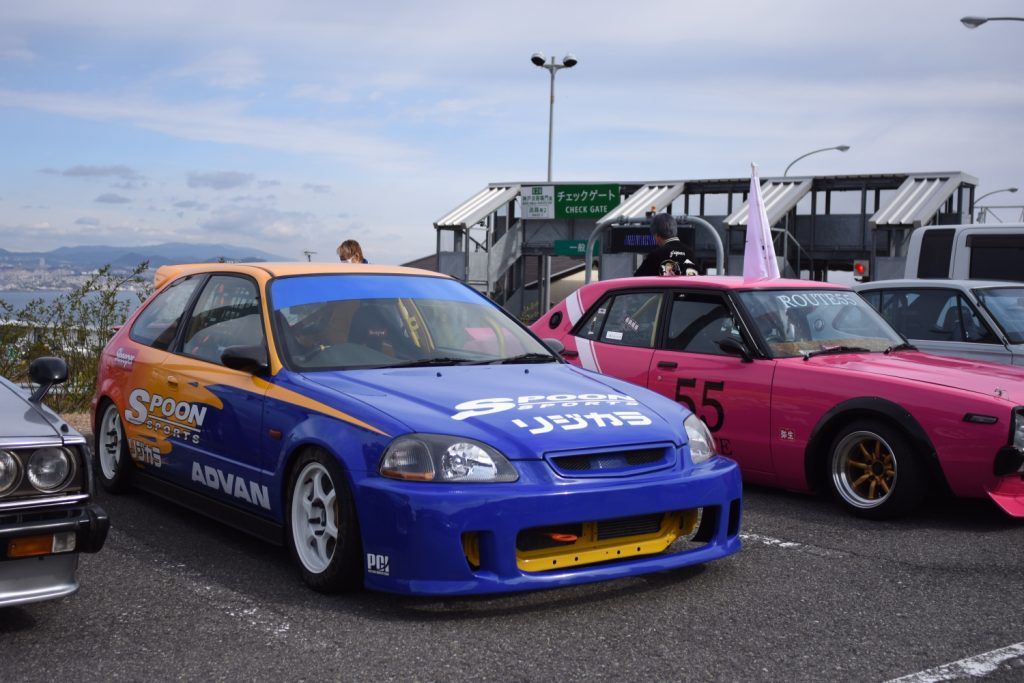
x=667 y=364
x=172 y=381
x=570 y=354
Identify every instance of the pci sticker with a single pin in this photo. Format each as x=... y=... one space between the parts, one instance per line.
x=378 y=564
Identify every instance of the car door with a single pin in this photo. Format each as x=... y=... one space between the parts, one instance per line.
x=731 y=395
x=618 y=334
x=142 y=380
x=219 y=410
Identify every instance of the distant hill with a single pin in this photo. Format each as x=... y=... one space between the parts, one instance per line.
x=126 y=258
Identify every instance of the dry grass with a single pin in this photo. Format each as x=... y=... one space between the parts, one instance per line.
x=80 y=421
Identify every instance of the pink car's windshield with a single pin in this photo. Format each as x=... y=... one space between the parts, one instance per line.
x=798 y=322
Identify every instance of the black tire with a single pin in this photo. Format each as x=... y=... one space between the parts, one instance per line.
x=113 y=463
x=321 y=524
x=874 y=472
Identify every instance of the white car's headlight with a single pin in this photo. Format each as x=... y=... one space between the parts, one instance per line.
x=702 y=444
x=8 y=472
x=440 y=458
x=50 y=469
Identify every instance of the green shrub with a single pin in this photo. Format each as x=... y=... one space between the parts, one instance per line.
x=75 y=326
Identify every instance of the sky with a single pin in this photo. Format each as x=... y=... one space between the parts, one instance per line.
x=290 y=126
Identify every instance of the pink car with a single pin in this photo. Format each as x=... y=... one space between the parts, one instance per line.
x=807 y=387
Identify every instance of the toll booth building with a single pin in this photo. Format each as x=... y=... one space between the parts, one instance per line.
x=512 y=241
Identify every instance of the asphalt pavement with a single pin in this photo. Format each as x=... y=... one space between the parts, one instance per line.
x=814 y=595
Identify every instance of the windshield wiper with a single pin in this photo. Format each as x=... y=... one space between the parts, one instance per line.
x=526 y=358
x=434 y=361
x=830 y=350
x=900 y=347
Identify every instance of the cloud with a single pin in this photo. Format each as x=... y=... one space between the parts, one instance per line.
x=220 y=180
x=226 y=122
x=231 y=70
x=87 y=220
x=191 y=204
x=267 y=183
x=321 y=93
x=14 y=50
x=263 y=223
x=114 y=171
x=111 y=198
x=319 y=189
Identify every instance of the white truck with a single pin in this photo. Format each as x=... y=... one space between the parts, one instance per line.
x=967 y=252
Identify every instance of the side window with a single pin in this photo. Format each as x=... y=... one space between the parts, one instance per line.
x=929 y=315
x=892 y=304
x=936 y=250
x=698 y=322
x=628 y=319
x=226 y=314
x=158 y=323
x=965 y=325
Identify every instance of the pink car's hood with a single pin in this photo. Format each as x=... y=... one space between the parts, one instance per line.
x=990 y=379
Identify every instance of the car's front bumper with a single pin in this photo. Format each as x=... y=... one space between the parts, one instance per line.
x=414 y=534
x=46 y=575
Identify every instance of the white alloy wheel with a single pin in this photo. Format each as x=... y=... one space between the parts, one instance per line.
x=314 y=517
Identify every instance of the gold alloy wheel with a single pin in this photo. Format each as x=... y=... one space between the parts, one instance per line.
x=864 y=469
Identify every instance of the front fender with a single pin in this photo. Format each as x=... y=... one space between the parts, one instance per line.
x=831 y=422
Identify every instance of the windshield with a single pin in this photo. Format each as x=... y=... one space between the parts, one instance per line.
x=798 y=322
x=330 y=322
x=1006 y=305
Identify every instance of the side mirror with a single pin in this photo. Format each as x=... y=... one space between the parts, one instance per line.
x=46 y=372
x=555 y=345
x=252 y=359
x=734 y=347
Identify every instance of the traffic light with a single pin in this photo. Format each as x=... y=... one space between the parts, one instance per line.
x=861 y=270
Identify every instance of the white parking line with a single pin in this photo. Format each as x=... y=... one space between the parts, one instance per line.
x=971 y=667
x=790 y=545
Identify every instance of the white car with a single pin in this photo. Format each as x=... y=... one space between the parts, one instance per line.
x=47 y=512
x=976 y=319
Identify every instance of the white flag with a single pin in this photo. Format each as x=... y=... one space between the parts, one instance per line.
x=759 y=262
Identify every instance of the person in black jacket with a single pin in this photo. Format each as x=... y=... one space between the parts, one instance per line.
x=668 y=257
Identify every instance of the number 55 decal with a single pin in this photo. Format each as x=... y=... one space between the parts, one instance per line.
x=706 y=401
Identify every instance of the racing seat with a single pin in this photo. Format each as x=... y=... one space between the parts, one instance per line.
x=376 y=327
x=952 y=326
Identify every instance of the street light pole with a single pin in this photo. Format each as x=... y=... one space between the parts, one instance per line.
x=567 y=63
x=982 y=211
x=840 y=148
x=975 y=22
x=785 y=241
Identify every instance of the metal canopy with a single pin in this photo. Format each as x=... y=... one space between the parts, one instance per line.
x=653 y=196
x=478 y=207
x=918 y=199
x=780 y=195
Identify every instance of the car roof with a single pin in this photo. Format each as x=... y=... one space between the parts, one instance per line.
x=935 y=284
x=269 y=269
x=723 y=282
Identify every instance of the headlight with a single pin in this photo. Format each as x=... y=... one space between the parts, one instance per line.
x=1018 y=429
x=49 y=469
x=8 y=472
x=702 y=444
x=435 y=457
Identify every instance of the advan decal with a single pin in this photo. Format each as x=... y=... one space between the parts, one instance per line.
x=243 y=489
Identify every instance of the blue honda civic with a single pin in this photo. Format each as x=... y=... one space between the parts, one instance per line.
x=397 y=430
